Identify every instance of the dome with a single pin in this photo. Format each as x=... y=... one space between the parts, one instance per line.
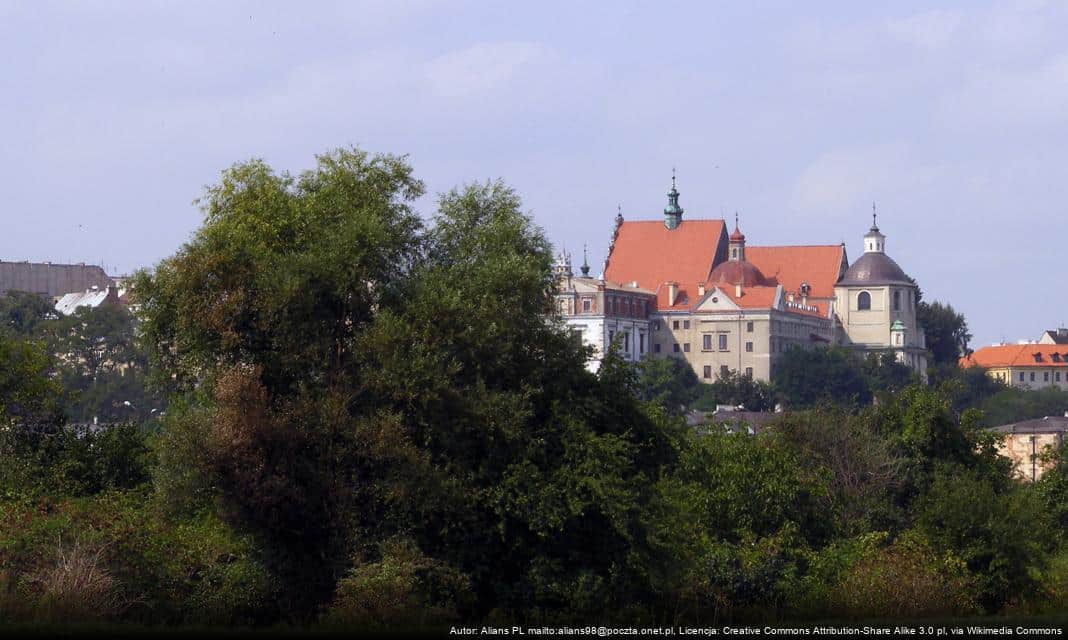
x=874 y=269
x=736 y=272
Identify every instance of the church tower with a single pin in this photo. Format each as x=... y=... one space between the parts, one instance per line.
x=673 y=212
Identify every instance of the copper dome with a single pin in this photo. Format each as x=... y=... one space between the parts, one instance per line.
x=740 y=272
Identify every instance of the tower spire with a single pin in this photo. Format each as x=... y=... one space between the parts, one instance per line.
x=585 y=263
x=874 y=227
x=673 y=212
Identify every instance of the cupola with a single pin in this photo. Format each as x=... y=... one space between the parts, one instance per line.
x=673 y=212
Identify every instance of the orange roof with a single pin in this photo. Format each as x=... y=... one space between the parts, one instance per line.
x=1018 y=355
x=819 y=265
x=650 y=254
x=752 y=297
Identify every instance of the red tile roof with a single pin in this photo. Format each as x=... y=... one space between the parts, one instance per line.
x=819 y=265
x=650 y=254
x=1017 y=355
x=752 y=297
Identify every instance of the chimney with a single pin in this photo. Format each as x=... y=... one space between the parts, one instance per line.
x=738 y=290
x=700 y=289
x=673 y=292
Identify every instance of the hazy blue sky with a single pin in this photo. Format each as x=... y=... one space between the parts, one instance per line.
x=952 y=117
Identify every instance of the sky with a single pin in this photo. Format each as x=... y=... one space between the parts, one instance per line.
x=951 y=117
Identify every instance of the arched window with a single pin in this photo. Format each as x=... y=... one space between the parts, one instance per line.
x=897 y=301
x=864 y=301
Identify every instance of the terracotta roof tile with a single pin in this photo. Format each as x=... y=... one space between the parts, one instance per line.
x=818 y=265
x=1018 y=355
x=650 y=254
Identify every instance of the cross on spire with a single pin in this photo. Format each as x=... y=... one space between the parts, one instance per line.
x=873 y=225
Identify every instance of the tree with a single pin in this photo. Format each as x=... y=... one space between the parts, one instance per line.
x=737 y=389
x=946 y=332
x=28 y=393
x=21 y=313
x=345 y=376
x=807 y=378
x=667 y=382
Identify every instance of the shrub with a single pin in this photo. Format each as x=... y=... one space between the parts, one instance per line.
x=904 y=580
x=404 y=589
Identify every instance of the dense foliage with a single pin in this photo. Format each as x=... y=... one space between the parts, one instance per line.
x=378 y=422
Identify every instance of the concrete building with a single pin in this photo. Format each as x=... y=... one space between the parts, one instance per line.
x=723 y=306
x=51 y=280
x=1025 y=442
x=1031 y=365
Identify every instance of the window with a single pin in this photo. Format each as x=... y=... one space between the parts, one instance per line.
x=708 y=371
x=897 y=301
x=706 y=343
x=586 y=304
x=685 y=324
x=1038 y=357
x=749 y=372
x=1058 y=376
x=686 y=347
x=864 y=301
x=1056 y=357
x=611 y=336
x=674 y=324
x=1032 y=376
x=722 y=342
x=749 y=347
x=641 y=343
x=724 y=371
x=1021 y=376
x=749 y=327
x=626 y=342
x=656 y=347
x=1045 y=376
x=656 y=326
x=675 y=348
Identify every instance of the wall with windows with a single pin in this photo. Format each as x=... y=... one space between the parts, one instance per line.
x=1032 y=377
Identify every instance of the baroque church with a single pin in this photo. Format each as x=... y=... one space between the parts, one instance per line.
x=675 y=288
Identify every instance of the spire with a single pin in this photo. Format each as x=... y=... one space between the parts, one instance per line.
x=737 y=242
x=874 y=227
x=585 y=263
x=673 y=212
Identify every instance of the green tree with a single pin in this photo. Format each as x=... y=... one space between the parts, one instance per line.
x=807 y=378
x=737 y=389
x=21 y=313
x=28 y=393
x=1001 y=535
x=667 y=382
x=946 y=331
x=347 y=377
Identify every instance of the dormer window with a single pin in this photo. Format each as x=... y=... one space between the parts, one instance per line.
x=1056 y=357
x=1038 y=357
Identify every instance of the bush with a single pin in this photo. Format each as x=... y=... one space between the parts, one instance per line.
x=403 y=589
x=904 y=580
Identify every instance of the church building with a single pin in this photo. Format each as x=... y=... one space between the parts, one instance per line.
x=723 y=305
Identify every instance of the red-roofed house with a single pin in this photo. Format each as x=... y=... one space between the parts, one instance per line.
x=1031 y=365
